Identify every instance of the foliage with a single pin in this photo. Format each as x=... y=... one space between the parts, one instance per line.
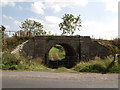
x=15 y=62
x=10 y=61
x=62 y=69
x=2 y=28
x=70 y=24
x=11 y=43
x=2 y=34
x=115 y=68
x=98 y=66
x=34 y=27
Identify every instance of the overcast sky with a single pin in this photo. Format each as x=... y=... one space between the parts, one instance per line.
x=99 y=17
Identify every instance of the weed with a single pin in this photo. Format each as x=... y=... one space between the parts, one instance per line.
x=98 y=66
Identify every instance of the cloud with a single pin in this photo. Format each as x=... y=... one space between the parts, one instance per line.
x=51 y=24
x=8 y=17
x=38 y=7
x=52 y=21
x=57 y=5
x=99 y=29
x=6 y=3
x=111 y=5
x=7 y=26
x=81 y=2
x=12 y=19
x=17 y=22
x=19 y=7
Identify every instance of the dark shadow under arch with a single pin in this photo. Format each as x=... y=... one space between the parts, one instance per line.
x=69 y=61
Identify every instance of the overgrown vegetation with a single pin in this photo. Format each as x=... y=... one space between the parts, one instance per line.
x=99 y=66
x=10 y=43
x=15 y=62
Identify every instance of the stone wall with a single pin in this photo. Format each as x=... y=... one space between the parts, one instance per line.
x=90 y=49
x=38 y=47
x=81 y=47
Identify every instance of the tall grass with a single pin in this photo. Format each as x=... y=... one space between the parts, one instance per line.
x=10 y=43
x=98 y=66
x=16 y=62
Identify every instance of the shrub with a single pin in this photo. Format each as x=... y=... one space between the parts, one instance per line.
x=10 y=59
x=115 y=68
x=98 y=66
x=15 y=62
x=11 y=43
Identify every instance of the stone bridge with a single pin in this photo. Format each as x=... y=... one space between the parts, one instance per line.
x=39 y=47
x=76 y=48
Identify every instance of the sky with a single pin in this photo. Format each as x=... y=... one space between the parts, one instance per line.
x=99 y=17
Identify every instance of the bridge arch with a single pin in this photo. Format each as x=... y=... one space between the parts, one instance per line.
x=70 y=57
x=68 y=48
x=39 y=47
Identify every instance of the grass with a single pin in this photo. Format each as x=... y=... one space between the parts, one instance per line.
x=11 y=43
x=98 y=66
x=61 y=69
x=54 y=50
x=56 y=54
x=15 y=62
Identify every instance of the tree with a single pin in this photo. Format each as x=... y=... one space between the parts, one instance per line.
x=70 y=24
x=2 y=28
x=34 y=27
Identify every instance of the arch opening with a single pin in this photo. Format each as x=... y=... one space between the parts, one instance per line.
x=57 y=52
x=66 y=57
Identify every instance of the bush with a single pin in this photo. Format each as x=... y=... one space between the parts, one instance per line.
x=11 y=43
x=93 y=68
x=98 y=66
x=15 y=62
x=90 y=68
x=115 y=68
x=10 y=59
